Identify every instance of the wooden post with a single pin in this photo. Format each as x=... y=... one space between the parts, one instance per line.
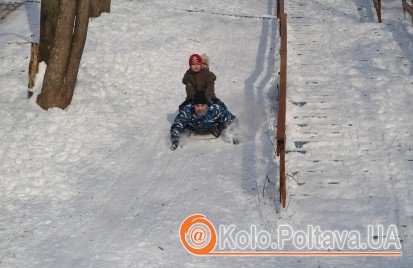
x=377 y=6
x=282 y=96
x=283 y=187
x=379 y=11
x=407 y=8
x=41 y=52
x=33 y=67
x=280 y=8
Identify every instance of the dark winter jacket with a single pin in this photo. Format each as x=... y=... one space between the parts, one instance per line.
x=217 y=115
x=201 y=81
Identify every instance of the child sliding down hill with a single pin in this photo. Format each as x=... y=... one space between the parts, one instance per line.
x=198 y=78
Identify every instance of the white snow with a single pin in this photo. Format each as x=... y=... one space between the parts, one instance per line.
x=97 y=186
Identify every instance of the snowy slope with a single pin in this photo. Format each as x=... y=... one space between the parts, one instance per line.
x=97 y=185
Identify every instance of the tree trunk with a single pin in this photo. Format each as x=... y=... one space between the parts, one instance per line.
x=78 y=44
x=51 y=95
x=98 y=6
x=69 y=42
x=48 y=20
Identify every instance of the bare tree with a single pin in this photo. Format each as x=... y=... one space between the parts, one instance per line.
x=66 y=53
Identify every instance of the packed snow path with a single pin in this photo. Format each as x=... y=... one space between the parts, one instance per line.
x=97 y=185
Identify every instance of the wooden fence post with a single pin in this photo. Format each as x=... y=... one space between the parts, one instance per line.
x=33 y=67
x=407 y=8
x=282 y=96
x=280 y=8
x=377 y=6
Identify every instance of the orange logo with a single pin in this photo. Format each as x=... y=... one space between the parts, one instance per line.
x=198 y=235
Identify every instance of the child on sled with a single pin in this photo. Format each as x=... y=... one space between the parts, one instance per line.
x=198 y=78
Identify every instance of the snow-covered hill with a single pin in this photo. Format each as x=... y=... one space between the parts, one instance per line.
x=97 y=186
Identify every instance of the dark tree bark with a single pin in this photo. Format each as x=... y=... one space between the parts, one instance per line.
x=48 y=20
x=97 y=7
x=78 y=44
x=69 y=42
x=51 y=95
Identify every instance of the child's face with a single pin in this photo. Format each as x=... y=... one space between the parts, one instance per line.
x=196 y=67
x=200 y=109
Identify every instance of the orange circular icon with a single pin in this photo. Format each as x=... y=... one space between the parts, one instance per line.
x=198 y=234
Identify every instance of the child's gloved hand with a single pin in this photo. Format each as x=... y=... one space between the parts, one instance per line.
x=232 y=134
